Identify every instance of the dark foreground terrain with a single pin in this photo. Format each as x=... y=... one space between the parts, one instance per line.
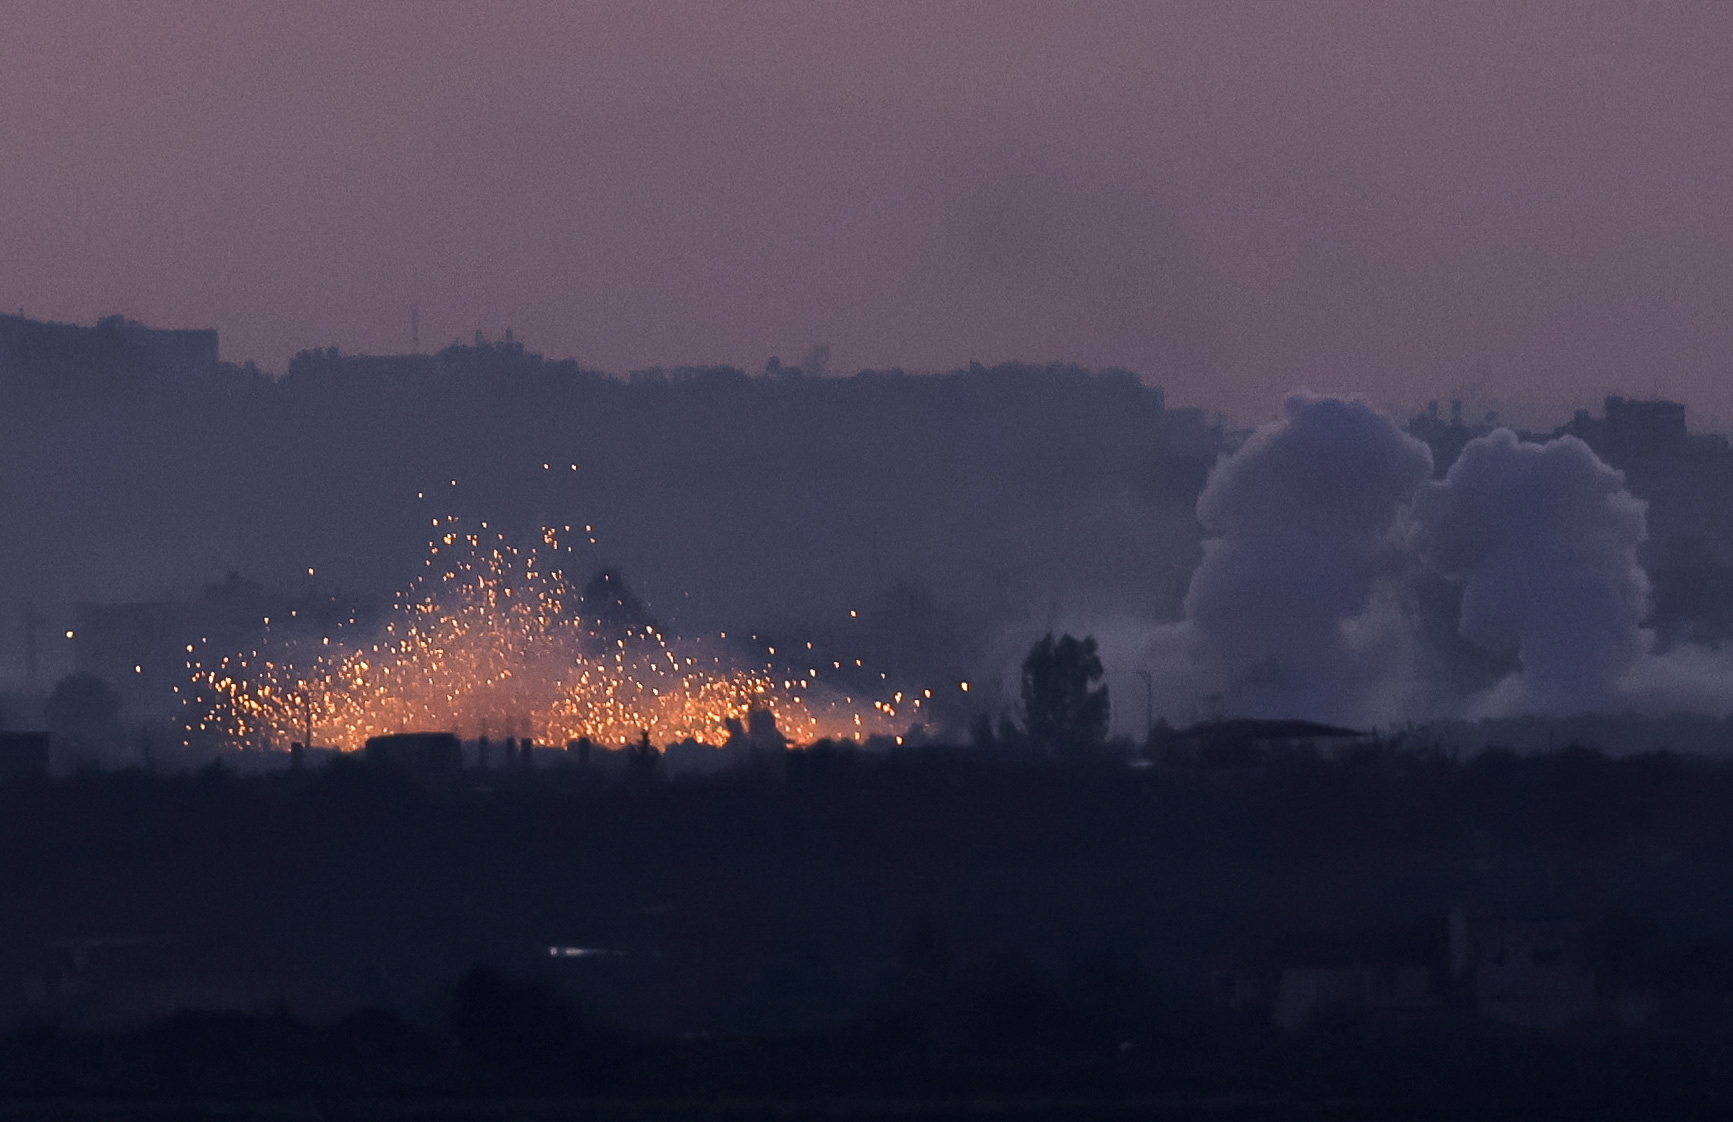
x=1260 y=932
x=373 y=1066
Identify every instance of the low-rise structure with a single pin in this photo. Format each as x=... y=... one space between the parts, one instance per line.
x=429 y=754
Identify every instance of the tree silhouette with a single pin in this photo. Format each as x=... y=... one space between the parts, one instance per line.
x=644 y=761
x=1063 y=709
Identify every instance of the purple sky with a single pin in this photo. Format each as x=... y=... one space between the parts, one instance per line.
x=1232 y=200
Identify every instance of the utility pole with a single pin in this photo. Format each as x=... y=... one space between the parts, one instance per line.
x=1148 y=703
x=414 y=329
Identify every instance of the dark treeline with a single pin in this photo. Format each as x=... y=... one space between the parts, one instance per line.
x=769 y=497
x=947 y=921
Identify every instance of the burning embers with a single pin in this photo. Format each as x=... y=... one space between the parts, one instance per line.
x=492 y=639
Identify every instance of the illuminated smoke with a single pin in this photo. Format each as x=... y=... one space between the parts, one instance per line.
x=492 y=641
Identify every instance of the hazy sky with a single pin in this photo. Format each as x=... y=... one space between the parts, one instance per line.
x=1231 y=199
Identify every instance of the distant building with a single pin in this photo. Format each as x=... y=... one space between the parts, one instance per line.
x=1631 y=429
x=1691 y=591
x=1250 y=740
x=485 y=360
x=115 y=344
x=422 y=753
x=1684 y=477
x=1446 y=438
x=1533 y=973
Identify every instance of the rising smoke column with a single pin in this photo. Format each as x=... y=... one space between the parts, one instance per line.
x=1544 y=538
x=1280 y=616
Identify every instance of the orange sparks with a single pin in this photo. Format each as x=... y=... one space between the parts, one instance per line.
x=493 y=642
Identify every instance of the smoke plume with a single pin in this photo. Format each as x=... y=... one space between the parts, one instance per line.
x=1544 y=539
x=1324 y=526
x=1290 y=610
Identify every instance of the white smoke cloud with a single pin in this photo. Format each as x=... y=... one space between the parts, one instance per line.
x=1544 y=538
x=1305 y=605
x=1291 y=611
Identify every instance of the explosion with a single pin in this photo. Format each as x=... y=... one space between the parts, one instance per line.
x=493 y=641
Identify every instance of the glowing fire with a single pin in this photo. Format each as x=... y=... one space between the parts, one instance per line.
x=491 y=642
